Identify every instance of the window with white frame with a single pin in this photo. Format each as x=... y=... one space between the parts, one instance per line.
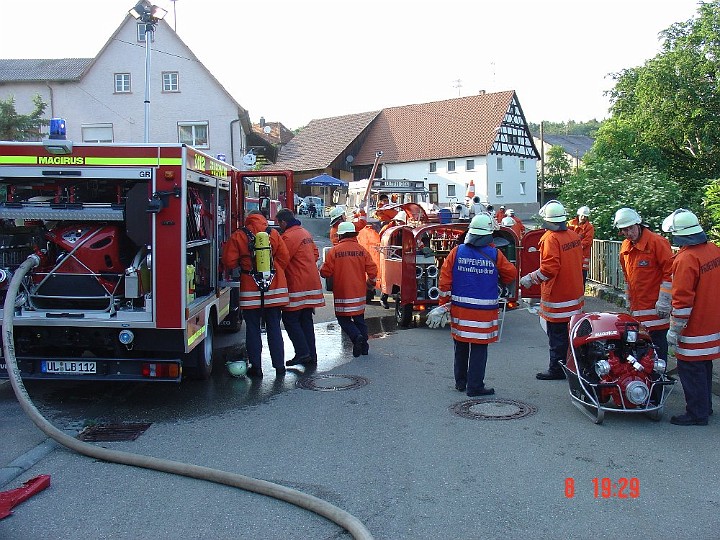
x=433 y=166
x=122 y=83
x=522 y=188
x=141 y=33
x=451 y=165
x=498 y=189
x=97 y=133
x=451 y=190
x=522 y=165
x=499 y=164
x=193 y=133
x=170 y=81
x=470 y=165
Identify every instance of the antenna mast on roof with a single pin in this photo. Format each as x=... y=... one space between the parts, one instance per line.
x=458 y=85
x=174 y=16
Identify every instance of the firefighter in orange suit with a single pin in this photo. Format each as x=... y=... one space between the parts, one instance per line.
x=353 y=272
x=646 y=262
x=255 y=303
x=581 y=225
x=337 y=216
x=694 y=323
x=561 y=283
x=468 y=285
x=518 y=222
x=304 y=286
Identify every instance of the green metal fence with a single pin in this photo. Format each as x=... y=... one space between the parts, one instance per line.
x=605 y=264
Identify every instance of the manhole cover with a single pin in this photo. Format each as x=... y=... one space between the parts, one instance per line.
x=112 y=432
x=493 y=409
x=328 y=383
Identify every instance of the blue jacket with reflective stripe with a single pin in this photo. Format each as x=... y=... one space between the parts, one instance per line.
x=475 y=277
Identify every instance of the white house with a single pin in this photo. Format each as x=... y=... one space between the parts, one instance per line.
x=102 y=98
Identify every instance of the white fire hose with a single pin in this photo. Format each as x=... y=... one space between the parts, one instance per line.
x=342 y=518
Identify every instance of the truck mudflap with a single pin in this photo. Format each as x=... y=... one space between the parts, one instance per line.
x=97 y=369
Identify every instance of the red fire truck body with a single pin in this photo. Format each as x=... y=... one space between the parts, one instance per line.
x=129 y=236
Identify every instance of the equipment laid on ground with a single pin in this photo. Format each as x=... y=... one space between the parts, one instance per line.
x=128 y=237
x=612 y=366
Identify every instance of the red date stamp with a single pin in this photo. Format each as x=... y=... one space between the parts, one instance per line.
x=607 y=488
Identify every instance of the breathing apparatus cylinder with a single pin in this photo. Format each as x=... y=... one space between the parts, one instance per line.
x=262 y=254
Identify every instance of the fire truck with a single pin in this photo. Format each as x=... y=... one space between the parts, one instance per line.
x=129 y=237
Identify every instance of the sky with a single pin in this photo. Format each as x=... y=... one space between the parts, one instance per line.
x=292 y=61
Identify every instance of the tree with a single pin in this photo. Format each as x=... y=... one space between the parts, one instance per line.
x=557 y=168
x=666 y=113
x=606 y=185
x=711 y=206
x=21 y=127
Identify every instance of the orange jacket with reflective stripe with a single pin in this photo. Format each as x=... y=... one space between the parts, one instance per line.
x=561 y=280
x=237 y=253
x=467 y=324
x=348 y=263
x=647 y=266
x=695 y=299
x=586 y=232
x=303 y=278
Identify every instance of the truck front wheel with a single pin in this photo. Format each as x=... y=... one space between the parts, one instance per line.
x=200 y=359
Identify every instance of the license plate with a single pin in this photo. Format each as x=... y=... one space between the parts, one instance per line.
x=68 y=366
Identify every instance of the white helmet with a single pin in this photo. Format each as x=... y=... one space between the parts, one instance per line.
x=553 y=211
x=584 y=211
x=335 y=214
x=482 y=225
x=510 y=212
x=682 y=223
x=508 y=222
x=401 y=216
x=626 y=217
x=346 y=227
x=237 y=368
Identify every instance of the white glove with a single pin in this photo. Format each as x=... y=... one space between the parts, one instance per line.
x=662 y=306
x=438 y=316
x=676 y=328
x=528 y=280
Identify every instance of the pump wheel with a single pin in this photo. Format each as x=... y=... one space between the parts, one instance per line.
x=200 y=359
x=403 y=314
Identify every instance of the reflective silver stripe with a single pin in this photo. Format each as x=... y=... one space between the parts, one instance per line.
x=541 y=276
x=568 y=303
x=476 y=301
x=271 y=292
x=349 y=309
x=267 y=302
x=306 y=293
x=474 y=324
x=684 y=312
x=698 y=352
x=476 y=335
x=654 y=322
x=641 y=312
x=551 y=315
x=445 y=293
x=307 y=302
x=700 y=339
x=358 y=300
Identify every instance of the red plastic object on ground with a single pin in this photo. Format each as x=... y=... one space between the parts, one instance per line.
x=11 y=498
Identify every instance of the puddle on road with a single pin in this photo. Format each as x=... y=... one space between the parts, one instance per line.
x=70 y=404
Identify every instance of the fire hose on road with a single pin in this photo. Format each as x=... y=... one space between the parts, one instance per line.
x=323 y=508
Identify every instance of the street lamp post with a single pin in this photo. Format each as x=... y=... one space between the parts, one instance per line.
x=149 y=15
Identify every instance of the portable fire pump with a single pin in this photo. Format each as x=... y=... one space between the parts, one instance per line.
x=612 y=366
x=412 y=255
x=129 y=237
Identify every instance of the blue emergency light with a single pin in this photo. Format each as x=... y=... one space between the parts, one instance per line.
x=58 y=129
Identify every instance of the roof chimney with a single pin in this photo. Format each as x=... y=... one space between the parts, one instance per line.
x=262 y=121
x=481 y=92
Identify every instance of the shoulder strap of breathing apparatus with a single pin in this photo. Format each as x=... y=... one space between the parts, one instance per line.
x=261 y=259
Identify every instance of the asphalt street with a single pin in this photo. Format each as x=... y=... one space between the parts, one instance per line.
x=393 y=453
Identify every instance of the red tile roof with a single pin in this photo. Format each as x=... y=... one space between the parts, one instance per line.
x=457 y=127
x=322 y=141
